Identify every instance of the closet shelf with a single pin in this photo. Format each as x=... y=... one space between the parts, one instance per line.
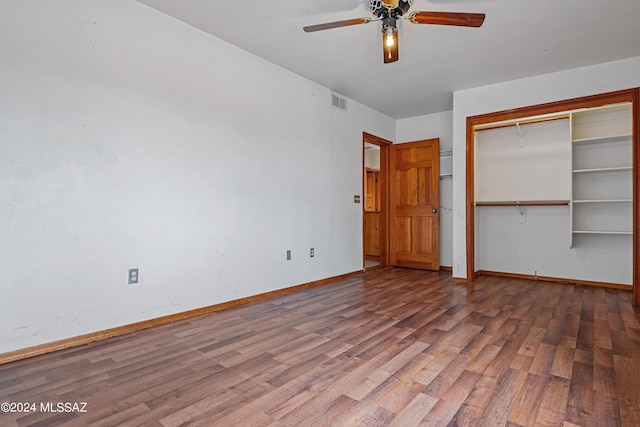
x=602 y=232
x=604 y=201
x=602 y=139
x=602 y=150
x=596 y=170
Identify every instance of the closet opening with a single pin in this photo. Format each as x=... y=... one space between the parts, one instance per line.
x=552 y=192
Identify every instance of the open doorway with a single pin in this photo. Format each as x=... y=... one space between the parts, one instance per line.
x=371 y=214
x=375 y=207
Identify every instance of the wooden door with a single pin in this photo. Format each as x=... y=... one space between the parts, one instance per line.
x=372 y=233
x=414 y=174
x=372 y=191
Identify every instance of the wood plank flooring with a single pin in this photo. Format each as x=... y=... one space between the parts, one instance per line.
x=394 y=347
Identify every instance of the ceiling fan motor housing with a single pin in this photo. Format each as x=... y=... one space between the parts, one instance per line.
x=382 y=10
x=388 y=22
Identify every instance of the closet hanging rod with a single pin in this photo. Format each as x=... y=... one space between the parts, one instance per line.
x=529 y=203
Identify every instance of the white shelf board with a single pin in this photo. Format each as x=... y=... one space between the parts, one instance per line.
x=625 y=233
x=605 y=201
x=596 y=170
x=603 y=139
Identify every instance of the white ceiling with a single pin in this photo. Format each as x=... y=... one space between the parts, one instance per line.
x=519 y=38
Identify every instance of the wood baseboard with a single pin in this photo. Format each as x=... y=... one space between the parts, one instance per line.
x=133 y=327
x=446 y=269
x=554 y=279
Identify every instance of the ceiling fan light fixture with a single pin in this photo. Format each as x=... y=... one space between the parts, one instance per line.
x=389 y=40
x=390 y=37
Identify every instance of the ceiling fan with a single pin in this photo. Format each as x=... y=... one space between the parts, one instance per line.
x=389 y=11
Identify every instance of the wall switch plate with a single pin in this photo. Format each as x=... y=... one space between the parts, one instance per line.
x=289 y=255
x=312 y=253
x=356 y=199
x=133 y=276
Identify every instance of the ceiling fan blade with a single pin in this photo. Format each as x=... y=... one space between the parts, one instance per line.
x=447 y=18
x=337 y=24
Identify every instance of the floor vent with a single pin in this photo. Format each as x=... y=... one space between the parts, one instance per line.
x=338 y=102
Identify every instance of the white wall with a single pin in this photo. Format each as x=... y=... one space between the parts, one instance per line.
x=130 y=140
x=520 y=93
x=372 y=158
x=536 y=241
x=438 y=125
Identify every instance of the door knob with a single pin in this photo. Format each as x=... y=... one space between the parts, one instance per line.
x=434 y=210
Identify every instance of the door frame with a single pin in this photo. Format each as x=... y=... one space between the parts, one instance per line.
x=629 y=95
x=384 y=194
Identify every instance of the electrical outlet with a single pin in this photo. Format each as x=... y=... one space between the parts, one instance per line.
x=289 y=255
x=133 y=276
x=312 y=253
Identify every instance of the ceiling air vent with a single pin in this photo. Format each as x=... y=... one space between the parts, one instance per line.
x=338 y=102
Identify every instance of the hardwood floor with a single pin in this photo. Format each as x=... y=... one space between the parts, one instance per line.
x=394 y=347
x=371 y=262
